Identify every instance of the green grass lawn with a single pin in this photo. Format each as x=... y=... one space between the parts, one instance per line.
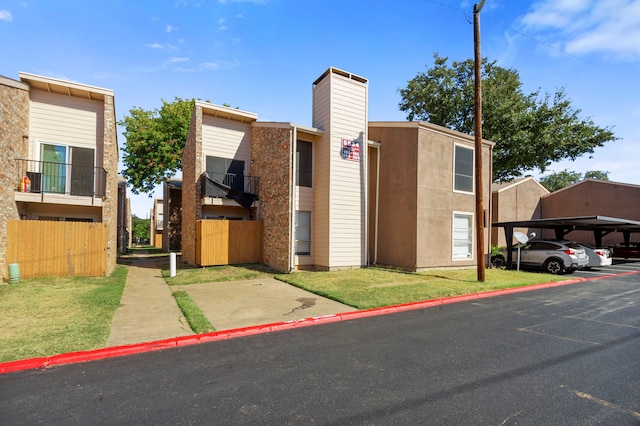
x=43 y=317
x=193 y=275
x=373 y=287
x=196 y=319
x=368 y=287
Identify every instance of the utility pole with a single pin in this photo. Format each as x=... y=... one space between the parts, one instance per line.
x=478 y=142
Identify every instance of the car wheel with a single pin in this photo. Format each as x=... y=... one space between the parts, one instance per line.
x=554 y=266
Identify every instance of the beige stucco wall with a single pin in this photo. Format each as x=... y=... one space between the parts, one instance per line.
x=594 y=198
x=397 y=217
x=519 y=200
x=417 y=200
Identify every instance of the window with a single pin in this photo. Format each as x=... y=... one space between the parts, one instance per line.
x=463 y=169
x=304 y=162
x=227 y=171
x=462 y=236
x=303 y=233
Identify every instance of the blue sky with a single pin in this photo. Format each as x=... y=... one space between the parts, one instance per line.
x=263 y=55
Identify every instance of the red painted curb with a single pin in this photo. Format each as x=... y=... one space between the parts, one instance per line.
x=118 y=351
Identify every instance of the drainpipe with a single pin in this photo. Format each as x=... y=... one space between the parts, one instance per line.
x=375 y=242
x=292 y=201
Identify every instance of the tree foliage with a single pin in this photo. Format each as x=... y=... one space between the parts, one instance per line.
x=140 y=228
x=564 y=178
x=154 y=143
x=531 y=131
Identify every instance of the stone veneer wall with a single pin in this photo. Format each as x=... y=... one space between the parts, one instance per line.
x=110 y=164
x=271 y=162
x=192 y=168
x=173 y=227
x=14 y=125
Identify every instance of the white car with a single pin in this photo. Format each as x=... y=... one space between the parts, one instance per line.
x=597 y=256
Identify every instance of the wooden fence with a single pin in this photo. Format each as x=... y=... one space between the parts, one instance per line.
x=228 y=242
x=47 y=248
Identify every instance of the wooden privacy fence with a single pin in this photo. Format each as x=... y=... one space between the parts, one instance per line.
x=228 y=242
x=47 y=248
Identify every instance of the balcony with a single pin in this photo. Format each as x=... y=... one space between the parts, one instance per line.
x=242 y=189
x=50 y=180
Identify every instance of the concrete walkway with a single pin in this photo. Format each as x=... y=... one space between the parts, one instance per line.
x=147 y=309
x=237 y=304
x=149 y=312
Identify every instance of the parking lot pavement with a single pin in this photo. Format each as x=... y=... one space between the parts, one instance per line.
x=620 y=266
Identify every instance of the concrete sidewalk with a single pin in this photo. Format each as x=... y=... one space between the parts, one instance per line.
x=237 y=304
x=147 y=309
x=149 y=312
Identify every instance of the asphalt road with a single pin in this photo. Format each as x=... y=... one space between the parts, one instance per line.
x=567 y=355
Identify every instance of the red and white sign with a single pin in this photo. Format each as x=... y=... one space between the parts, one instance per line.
x=350 y=150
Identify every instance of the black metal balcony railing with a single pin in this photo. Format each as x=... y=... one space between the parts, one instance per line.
x=243 y=189
x=61 y=178
x=247 y=184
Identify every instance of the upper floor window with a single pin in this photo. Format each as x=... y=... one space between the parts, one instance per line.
x=304 y=162
x=463 y=169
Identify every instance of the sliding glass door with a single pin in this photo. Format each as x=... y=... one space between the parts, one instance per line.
x=67 y=169
x=54 y=169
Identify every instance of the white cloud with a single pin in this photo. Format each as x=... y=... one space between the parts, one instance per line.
x=214 y=66
x=170 y=28
x=5 y=15
x=158 y=46
x=175 y=60
x=582 y=27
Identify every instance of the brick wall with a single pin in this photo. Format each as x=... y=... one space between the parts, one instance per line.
x=174 y=216
x=192 y=168
x=271 y=162
x=110 y=164
x=14 y=125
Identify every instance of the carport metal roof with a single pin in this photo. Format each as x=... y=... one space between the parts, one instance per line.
x=582 y=223
x=600 y=225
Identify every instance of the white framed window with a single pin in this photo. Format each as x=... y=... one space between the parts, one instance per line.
x=303 y=233
x=463 y=169
x=462 y=236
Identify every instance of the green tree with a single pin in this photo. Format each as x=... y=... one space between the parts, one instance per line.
x=564 y=178
x=154 y=143
x=531 y=131
x=140 y=228
x=596 y=174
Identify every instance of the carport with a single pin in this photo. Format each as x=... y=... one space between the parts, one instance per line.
x=600 y=225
